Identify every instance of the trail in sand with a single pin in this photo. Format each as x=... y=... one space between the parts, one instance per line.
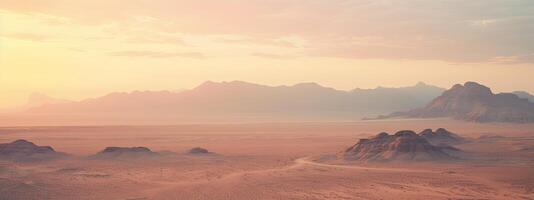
x=307 y=161
x=297 y=163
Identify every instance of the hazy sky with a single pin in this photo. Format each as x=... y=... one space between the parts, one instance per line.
x=76 y=49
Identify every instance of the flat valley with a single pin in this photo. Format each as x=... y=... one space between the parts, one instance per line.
x=267 y=161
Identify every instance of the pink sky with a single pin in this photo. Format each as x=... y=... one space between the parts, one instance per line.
x=78 y=49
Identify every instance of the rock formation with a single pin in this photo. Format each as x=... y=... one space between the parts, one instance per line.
x=198 y=150
x=442 y=137
x=23 y=150
x=125 y=153
x=402 y=146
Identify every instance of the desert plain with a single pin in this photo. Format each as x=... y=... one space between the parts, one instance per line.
x=268 y=161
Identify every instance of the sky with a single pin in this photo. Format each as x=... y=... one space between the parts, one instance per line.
x=76 y=49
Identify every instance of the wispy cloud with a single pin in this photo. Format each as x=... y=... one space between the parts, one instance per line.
x=515 y=59
x=449 y=30
x=75 y=49
x=27 y=36
x=257 y=41
x=156 y=39
x=274 y=56
x=157 y=54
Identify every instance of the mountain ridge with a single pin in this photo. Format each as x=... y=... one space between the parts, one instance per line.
x=238 y=98
x=474 y=102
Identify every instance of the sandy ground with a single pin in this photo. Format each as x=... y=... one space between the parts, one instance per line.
x=268 y=161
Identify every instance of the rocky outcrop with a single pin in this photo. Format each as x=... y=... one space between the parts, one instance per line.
x=474 y=102
x=23 y=150
x=125 y=153
x=402 y=146
x=442 y=137
x=198 y=151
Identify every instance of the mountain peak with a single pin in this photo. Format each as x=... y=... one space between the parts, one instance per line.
x=308 y=85
x=475 y=102
x=441 y=136
x=39 y=99
x=473 y=86
x=312 y=86
x=232 y=84
x=469 y=89
x=22 y=142
x=421 y=84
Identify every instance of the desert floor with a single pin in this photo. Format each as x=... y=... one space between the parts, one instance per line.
x=268 y=161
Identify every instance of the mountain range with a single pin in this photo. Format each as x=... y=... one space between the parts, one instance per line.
x=239 y=101
x=242 y=100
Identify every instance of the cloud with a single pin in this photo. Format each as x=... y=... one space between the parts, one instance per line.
x=273 y=56
x=257 y=41
x=529 y=58
x=75 y=49
x=27 y=36
x=146 y=37
x=156 y=54
x=155 y=40
x=448 y=30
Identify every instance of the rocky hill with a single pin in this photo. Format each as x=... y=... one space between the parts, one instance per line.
x=23 y=150
x=442 y=137
x=402 y=146
x=125 y=153
x=198 y=151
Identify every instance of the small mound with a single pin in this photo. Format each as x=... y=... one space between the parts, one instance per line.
x=198 y=150
x=402 y=146
x=442 y=137
x=125 y=153
x=23 y=150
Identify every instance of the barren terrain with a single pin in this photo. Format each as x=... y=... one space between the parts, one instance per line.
x=268 y=161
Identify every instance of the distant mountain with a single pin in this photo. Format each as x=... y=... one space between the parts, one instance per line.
x=524 y=95
x=474 y=102
x=401 y=146
x=39 y=99
x=236 y=99
x=35 y=100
